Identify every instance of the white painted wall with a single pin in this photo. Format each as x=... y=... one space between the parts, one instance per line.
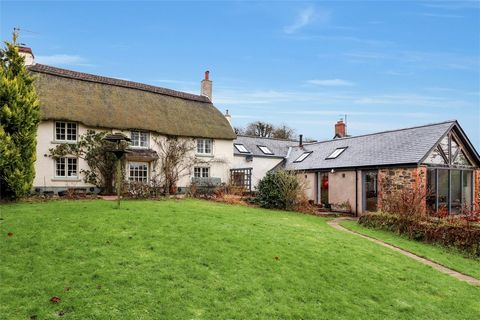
x=219 y=162
x=260 y=165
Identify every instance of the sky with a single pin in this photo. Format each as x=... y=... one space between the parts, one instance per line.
x=385 y=64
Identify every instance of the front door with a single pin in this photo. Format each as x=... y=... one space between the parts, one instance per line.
x=370 y=190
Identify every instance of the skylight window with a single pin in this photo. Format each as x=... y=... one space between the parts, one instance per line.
x=265 y=150
x=336 y=153
x=241 y=148
x=303 y=156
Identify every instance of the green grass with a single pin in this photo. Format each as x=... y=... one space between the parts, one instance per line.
x=451 y=258
x=200 y=260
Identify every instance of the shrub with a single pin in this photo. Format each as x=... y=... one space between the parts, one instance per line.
x=280 y=190
x=452 y=231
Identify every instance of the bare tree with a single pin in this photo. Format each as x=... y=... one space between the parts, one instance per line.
x=259 y=129
x=283 y=132
x=238 y=130
x=176 y=158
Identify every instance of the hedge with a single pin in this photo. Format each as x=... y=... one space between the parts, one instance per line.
x=465 y=237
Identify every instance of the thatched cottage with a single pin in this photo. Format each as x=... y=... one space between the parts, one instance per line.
x=73 y=102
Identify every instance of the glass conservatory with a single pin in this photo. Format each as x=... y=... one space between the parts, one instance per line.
x=449 y=176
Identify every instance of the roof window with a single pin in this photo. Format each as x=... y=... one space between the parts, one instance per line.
x=265 y=150
x=303 y=156
x=241 y=148
x=336 y=153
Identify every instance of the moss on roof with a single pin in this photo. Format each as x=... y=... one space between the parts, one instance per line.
x=111 y=103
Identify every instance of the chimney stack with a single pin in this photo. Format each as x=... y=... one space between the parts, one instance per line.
x=206 y=86
x=300 y=142
x=340 y=129
x=27 y=54
x=228 y=116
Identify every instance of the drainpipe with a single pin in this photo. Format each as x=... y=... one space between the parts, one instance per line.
x=356 y=192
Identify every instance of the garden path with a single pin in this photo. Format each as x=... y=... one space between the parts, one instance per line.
x=460 y=276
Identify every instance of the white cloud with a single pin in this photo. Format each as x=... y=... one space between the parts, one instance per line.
x=62 y=59
x=330 y=82
x=306 y=17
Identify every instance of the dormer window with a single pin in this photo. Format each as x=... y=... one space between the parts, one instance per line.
x=336 y=153
x=265 y=150
x=139 y=139
x=303 y=156
x=241 y=148
x=66 y=131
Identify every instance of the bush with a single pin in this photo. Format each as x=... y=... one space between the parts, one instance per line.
x=451 y=231
x=280 y=190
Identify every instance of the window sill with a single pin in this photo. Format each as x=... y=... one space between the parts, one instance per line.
x=205 y=155
x=67 y=179
x=63 y=142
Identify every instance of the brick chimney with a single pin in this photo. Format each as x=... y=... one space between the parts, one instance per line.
x=206 y=86
x=340 y=129
x=27 y=54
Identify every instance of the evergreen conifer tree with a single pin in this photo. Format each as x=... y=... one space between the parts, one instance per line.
x=19 y=119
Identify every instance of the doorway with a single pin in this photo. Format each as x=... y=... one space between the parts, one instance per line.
x=370 y=190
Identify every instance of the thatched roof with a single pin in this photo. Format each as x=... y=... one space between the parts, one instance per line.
x=105 y=102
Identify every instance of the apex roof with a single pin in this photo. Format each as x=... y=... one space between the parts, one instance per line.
x=402 y=146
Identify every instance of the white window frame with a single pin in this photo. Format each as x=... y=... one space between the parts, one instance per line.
x=65 y=125
x=201 y=172
x=202 y=146
x=303 y=156
x=139 y=140
x=66 y=163
x=336 y=153
x=265 y=150
x=135 y=178
x=241 y=148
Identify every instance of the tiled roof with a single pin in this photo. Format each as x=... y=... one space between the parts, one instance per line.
x=404 y=146
x=277 y=146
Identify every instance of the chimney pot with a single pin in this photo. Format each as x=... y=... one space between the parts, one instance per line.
x=300 y=142
x=207 y=74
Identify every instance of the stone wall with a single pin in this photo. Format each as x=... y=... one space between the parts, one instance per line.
x=476 y=190
x=392 y=181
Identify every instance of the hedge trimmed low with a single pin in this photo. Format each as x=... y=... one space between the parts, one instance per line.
x=465 y=237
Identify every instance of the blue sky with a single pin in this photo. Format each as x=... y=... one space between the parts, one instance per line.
x=386 y=64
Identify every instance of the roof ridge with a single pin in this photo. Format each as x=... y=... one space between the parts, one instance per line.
x=82 y=76
x=267 y=138
x=382 y=132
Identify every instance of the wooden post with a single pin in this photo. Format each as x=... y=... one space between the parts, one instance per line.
x=119 y=181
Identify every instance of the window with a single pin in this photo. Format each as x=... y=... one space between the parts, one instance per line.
x=336 y=153
x=303 y=156
x=265 y=150
x=138 y=172
x=241 y=148
x=66 y=167
x=139 y=139
x=201 y=172
x=449 y=189
x=65 y=131
x=204 y=146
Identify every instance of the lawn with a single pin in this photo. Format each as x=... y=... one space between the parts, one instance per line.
x=200 y=260
x=448 y=257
